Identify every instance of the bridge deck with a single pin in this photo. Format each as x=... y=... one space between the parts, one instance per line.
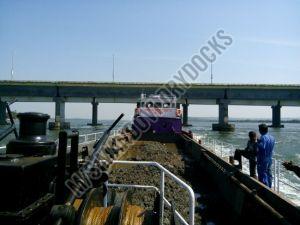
x=128 y=92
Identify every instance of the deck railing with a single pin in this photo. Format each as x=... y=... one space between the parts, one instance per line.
x=91 y=137
x=83 y=138
x=282 y=179
x=161 y=189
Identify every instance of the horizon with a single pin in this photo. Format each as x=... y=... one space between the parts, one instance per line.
x=107 y=111
x=140 y=82
x=284 y=119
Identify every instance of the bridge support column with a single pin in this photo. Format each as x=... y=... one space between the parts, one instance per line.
x=185 y=115
x=276 y=116
x=59 y=123
x=94 y=114
x=3 y=113
x=223 y=124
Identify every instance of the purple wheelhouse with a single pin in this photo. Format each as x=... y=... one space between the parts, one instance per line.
x=157 y=114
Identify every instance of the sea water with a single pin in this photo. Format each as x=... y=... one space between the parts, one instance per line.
x=287 y=143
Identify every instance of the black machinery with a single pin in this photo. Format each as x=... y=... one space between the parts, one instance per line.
x=27 y=171
x=33 y=172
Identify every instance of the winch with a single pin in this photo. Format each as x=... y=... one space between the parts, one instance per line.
x=27 y=171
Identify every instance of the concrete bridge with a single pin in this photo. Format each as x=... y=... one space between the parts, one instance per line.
x=223 y=95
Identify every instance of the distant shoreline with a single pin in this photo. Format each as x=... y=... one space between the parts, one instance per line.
x=211 y=119
x=258 y=120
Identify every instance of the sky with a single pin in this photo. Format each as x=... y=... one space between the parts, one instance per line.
x=75 y=40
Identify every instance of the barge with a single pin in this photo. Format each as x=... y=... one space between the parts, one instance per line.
x=148 y=173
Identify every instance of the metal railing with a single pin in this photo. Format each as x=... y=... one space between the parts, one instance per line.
x=220 y=148
x=92 y=137
x=83 y=138
x=161 y=190
x=88 y=138
x=223 y=149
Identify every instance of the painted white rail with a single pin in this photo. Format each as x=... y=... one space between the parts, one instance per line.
x=163 y=172
x=282 y=179
x=88 y=138
x=83 y=138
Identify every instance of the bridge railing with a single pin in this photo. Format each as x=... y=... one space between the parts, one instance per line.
x=283 y=180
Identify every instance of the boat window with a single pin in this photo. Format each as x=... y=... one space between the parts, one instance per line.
x=149 y=104
x=157 y=105
x=166 y=105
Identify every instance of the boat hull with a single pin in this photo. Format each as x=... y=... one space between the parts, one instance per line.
x=228 y=195
x=157 y=125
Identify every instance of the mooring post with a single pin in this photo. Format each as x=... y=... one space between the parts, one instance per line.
x=276 y=116
x=74 y=151
x=61 y=167
x=3 y=113
x=223 y=124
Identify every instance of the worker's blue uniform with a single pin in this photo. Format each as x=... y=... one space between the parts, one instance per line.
x=264 y=159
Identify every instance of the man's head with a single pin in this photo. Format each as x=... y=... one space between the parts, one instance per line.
x=263 y=129
x=252 y=135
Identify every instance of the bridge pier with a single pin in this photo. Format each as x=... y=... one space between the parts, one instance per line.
x=223 y=124
x=59 y=123
x=3 y=113
x=185 y=115
x=94 y=114
x=276 y=116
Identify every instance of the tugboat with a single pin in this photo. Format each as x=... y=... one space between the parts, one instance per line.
x=160 y=113
x=150 y=173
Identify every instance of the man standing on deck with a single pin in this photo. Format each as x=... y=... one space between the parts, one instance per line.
x=266 y=145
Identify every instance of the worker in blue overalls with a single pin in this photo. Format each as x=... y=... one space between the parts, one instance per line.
x=266 y=145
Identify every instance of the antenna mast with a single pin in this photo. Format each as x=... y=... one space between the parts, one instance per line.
x=113 y=68
x=211 y=71
x=12 y=67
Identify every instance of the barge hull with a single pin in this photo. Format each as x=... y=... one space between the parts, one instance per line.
x=250 y=201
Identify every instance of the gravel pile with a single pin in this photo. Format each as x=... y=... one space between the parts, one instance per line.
x=168 y=156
